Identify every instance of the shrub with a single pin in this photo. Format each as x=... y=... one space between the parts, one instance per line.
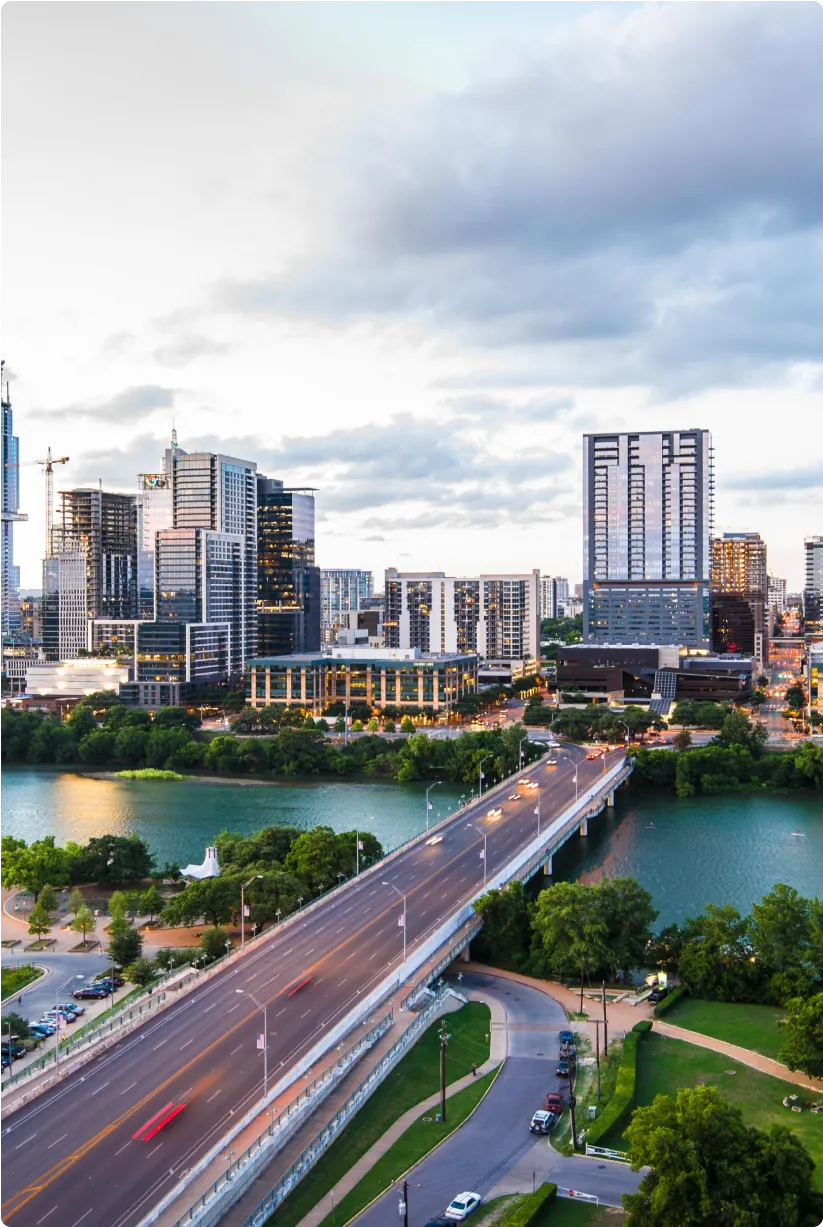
x=668 y=1002
x=527 y=1210
x=620 y=1104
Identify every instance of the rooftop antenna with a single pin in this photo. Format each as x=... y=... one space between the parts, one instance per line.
x=173 y=434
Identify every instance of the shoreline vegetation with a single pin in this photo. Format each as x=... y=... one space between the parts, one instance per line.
x=118 y=739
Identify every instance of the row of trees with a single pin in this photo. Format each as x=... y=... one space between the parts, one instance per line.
x=105 y=859
x=594 y=722
x=715 y=769
x=599 y=930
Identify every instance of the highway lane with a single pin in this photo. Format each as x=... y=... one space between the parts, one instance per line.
x=73 y=1147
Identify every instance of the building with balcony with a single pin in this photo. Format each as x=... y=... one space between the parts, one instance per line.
x=554 y=596
x=813 y=588
x=647 y=517
x=738 y=581
x=342 y=591
x=379 y=677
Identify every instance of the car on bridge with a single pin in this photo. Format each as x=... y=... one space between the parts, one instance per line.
x=435 y=839
x=494 y=814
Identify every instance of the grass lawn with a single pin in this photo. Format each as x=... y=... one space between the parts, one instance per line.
x=748 y=1026
x=415 y=1078
x=565 y=1213
x=665 y=1065
x=16 y=978
x=410 y=1148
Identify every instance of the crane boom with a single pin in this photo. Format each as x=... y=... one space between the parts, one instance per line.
x=48 y=472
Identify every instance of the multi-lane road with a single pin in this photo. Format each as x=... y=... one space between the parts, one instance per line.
x=70 y=1157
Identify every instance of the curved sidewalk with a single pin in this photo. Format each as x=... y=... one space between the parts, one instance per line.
x=746 y=1056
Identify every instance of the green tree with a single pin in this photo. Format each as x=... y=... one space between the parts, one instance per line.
x=738 y=730
x=808 y=761
x=152 y=902
x=762 y=681
x=803 y=1030
x=664 y=948
x=125 y=943
x=795 y=698
x=164 y=742
x=217 y=899
x=682 y=740
x=370 y=851
x=373 y=725
x=780 y=932
x=315 y=857
x=84 y=921
x=18 y=1026
x=629 y=916
x=118 y=905
x=81 y=721
x=569 y=931
x=506 y=934
x=340 y=724
x=47 y=898
x=213 y=944
x=97 y=747
x=389 y=726
x=407 y=725
x=31 y=868
x=130 y=745
x=76 y=900
x=107 y=859
x=177 y=718
x=715 y=959
x=357 y=726
x=141 y=972
x=39 y=921
x=708 y=1168
x=757 y=698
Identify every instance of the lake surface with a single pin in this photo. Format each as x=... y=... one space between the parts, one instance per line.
x=688 y=852
x=179 y=818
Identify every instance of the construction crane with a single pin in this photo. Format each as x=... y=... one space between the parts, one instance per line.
x=48 y=472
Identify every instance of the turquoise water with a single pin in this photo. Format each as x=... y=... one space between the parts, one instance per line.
x=178 y=818
x=686 y=852
x=698 y=850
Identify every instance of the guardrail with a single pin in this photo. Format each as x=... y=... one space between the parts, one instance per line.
x=604 y=1152
x=309 y=1156
x=576 y=1195
x=263 y=1149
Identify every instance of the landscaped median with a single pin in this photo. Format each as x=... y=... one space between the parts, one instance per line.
x=409 y=1084
x=15 y=979
x=619 y=1107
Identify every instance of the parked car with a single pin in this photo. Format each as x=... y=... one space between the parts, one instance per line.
x=554 y=1102
x=542 y=1122
x=90 y=994
x=463 y=1205
x=70 y=1005
x=43 y=1030
x=566 y=1037
x=115 y=979
x=15 y=1051
x=563 y=1066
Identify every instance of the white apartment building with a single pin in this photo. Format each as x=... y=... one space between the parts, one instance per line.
x=554 y=596
x=496 y=616
x=342 y=591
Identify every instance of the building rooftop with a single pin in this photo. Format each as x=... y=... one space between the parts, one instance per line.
x=361 y=655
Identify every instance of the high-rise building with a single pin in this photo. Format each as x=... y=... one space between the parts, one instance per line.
x=496 y=616
x=554 y=596
x=813 y=589
x=10 y=514
x=288 y=583
x=154 y=513
x=647 y=520
x=775 y=599
x=342 y=591
x=738 y=582
x=65 y=605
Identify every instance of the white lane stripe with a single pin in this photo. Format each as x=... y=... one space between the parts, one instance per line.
x=82 y=1216
x=191 y=1041
x=122 y=1148
x=45 y=1216
x=129 y=1088
x=209 y=1007
x=100 y=1088
x=214 y=1096
x=160 y=1045
x=233 y=1008
x=151 y=1152
x=234 y=1050
x=22 y=1144
x=279 y=1012
x=57 y=1143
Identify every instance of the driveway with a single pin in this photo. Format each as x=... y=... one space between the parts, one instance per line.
x=493 y=1153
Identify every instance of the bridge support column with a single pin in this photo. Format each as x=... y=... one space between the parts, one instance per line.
x=610 y=800
x=584 y=827
x=547 y=868
x=465 y=954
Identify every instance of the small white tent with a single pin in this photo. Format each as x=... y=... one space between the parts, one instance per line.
x=209 y=869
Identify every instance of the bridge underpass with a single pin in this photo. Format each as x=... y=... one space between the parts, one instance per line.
x=72 y=1153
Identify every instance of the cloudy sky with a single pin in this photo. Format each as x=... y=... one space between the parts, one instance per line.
x=409 y=253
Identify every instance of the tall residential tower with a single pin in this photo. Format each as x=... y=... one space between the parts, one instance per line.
x=10 y=608
x=648 y=510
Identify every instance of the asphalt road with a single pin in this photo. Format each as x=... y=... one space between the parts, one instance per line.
x=493 y=1153
x=62 y=967
x=72 y=1153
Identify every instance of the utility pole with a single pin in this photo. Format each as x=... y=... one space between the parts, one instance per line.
x=443 y=1070
x=405 y=1203
x=571 y=1107
x=605 y=1026
x=597 y=1022
x=582 y=966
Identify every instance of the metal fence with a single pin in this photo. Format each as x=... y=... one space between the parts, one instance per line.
x=329 y=1132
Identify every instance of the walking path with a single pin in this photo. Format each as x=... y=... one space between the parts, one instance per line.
x=745 y=1055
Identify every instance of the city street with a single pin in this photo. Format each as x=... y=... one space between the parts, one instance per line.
x=62 y=1149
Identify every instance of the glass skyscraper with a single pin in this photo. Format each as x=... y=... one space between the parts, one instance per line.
x=10 y=609
x=288 y=579
x=647 y=522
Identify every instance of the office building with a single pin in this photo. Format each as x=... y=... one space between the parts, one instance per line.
x=738 y=585
x=10 y=514
x=65 y=606
x=496 y=616
x=288 y=582
x=813 y=589
x=647 y=520
x=75 y=677
x=814 y=682
x=398 y=679
x=103 y=527
x=154 y=513
x=342 y=591
x=554 y=596
x=652 y=676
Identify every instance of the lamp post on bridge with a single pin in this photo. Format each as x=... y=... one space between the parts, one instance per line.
x=480 y=772
x=428 y=804
x=485 y=835
x=260 y=1006
x=403 y=921
x=243 y=907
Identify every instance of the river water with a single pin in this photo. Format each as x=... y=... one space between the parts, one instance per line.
x=728 y=849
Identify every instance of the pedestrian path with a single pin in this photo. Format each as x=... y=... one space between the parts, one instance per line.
x=745 y=1055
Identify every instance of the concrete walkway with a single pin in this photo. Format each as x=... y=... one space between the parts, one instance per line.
x=498 y=1050
x=745 y=1055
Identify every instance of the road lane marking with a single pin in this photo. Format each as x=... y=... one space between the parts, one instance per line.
x=302 y=1016
x=22 y=1144
x=122 y=1148
x=129 y=1088
x=100 y=1088
x=191 y=1041
x=57 y=1143
x=160 y=1045
x=214 y=1096
x=233 y=1008
x=234 y=1050
x=209 y=1007
x=340 y=930
x=45 y=1216
x=373 y=956
x=82 y=1216
x=156 y=1148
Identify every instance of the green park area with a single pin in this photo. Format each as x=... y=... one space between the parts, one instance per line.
x=748 y=1026
x=412 y=1080
x=665 y=1065
x=559 y=1212
x=15 y=979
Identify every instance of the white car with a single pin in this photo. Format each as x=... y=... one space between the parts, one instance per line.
x=515 y=796
x=493 y=814
x=435 y=839
x=463 y=1205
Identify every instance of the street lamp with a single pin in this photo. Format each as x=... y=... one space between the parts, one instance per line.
x=403 y=897
x=57 y=993
x=485 y=847
x=576 y=791
x=428 y=805
x=480 y=770
x=520 y=750
x=260 y=1006
x=243 y=908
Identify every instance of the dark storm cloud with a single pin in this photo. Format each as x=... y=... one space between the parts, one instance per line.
x=639 y=204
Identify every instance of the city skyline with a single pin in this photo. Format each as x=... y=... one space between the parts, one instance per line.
x=426 y=351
